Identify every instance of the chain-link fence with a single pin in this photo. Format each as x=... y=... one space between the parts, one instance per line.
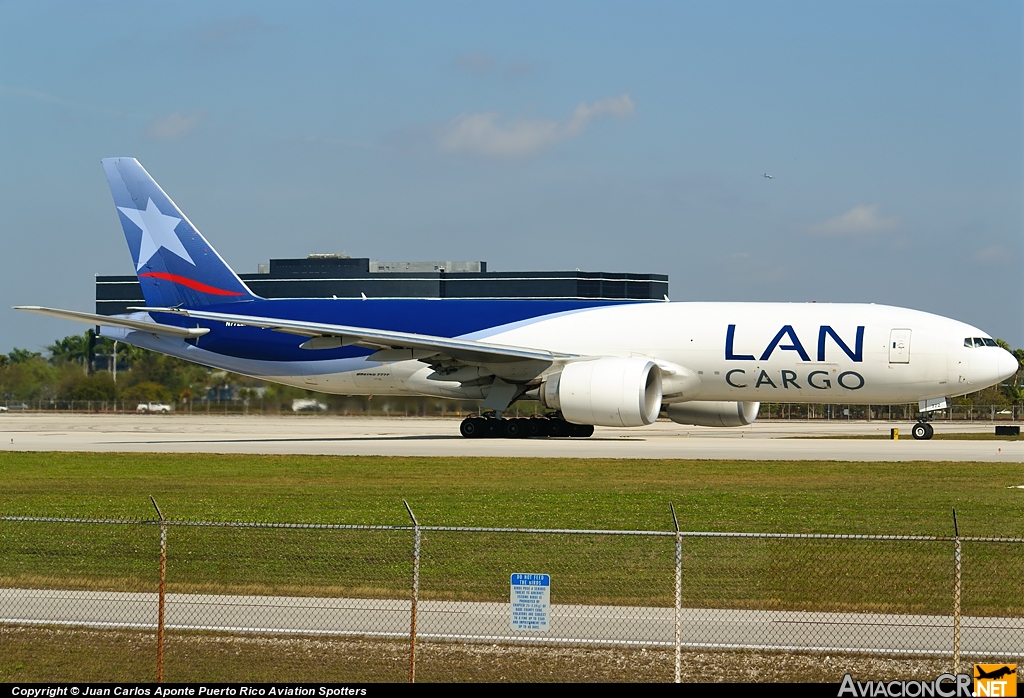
x=112 y=600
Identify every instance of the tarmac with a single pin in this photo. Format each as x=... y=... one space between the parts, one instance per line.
x=703 y=628
x=413 y=436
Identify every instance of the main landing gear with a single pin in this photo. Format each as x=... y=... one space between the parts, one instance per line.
x=922 y=431
x=521 y=428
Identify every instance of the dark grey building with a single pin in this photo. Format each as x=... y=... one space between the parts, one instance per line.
x=326 y=276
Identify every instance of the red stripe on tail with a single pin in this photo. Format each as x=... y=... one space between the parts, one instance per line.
x=192 y=284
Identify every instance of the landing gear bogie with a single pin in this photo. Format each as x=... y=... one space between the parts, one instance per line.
x=522 y=428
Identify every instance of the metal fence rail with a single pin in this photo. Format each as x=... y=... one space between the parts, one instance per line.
x=165 y=599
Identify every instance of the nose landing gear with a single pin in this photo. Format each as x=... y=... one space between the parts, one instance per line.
x=922 y=431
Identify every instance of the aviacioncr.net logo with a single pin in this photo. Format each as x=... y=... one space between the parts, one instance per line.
x=995 y=680
x=945 y=686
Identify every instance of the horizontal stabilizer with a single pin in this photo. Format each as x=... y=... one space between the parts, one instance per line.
x=111 y=321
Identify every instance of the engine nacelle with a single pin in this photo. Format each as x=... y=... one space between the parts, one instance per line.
x=609 y=392
x=714 y=414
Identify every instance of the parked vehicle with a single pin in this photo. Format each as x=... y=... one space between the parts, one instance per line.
x=307 y=405
x=156 y=407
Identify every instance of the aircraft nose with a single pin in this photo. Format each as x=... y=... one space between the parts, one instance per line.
x=1007 y=364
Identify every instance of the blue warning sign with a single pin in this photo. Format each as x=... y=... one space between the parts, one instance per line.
x=530 y=601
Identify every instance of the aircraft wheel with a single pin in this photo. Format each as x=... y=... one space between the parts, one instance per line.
x=581 y=431
x=536 y=427
x=922 y=431
x=513 y=428
x=558 y=427
x=473 y=428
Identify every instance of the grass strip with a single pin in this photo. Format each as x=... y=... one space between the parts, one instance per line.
x=821 y=497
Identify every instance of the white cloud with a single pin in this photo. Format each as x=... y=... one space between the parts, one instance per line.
x=994 y=256
x=485 y=135
x=859 y=220
x=620 y=107
x=173 y=125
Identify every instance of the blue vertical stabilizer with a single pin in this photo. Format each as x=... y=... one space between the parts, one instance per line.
x=175 y=264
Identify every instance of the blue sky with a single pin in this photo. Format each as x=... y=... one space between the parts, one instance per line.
x=600 y=136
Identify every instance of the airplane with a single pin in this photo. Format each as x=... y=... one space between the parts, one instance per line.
x=596 y=362
x=997 y=673
x=767 y=176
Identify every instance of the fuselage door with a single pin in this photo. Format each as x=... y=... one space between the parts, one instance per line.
x=899 y=347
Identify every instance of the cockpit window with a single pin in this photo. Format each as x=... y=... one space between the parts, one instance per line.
x=969 y=343
x=979 y=342
x=990 y=342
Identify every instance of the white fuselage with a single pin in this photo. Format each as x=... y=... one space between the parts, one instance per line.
x=769 y=352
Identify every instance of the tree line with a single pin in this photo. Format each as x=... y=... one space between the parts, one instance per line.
x=88 y=367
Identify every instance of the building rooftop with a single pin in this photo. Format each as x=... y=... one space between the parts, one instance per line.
x=340 y=276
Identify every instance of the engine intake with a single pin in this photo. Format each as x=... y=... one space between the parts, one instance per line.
x=714 y=414
x=609 y=392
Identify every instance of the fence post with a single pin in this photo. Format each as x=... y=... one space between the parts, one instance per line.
x=679 y=595
x=956 y=596
x=415 y=591
x=161 y=594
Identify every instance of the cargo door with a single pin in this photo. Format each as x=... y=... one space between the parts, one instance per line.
x=899 y=347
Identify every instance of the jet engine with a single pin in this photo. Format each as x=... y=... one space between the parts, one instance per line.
x=609 y=392
x=714 y=414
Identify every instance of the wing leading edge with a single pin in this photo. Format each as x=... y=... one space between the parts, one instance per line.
x=113 y=321
x=390 y=345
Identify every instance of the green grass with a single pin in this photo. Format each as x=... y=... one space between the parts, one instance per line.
x=806 y=496
x=763 y=496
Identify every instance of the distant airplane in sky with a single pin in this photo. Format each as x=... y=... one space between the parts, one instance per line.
x=605 y=362
x=766 y=176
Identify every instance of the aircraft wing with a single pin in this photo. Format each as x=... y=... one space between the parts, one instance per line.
x=390 y=345
x=112 y=321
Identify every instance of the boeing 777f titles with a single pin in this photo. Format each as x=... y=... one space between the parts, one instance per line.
x=589 y=362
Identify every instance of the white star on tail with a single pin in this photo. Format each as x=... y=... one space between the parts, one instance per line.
x=157 y=231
